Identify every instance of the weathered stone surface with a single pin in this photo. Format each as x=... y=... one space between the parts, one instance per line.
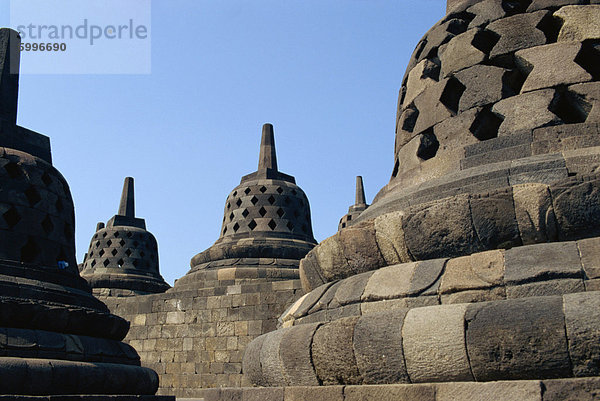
x=326 y=298
x=545 y=288
x=485 y=12
x=579 y=23
x=333 y=354
x=460 y=53
x=433 y=340
x=496 y=391
x=590 y=92
x=421 y=392
x=323 y=393
x=551 y=65
x=441 y=229
x=430 y=100
x=359 y=248
x=582 y=320
x=270 y=359
x=587 y=389
x=390 y=238
x=295 y=355
x=529 y=262
x=426 y=277
x=352 y=288
x=566 y=137
x=393 y=304
x=421 y=77
x=378 y=348
x=589 y=251
x=477 y=271
x=262 y=394
x=526 y=111
x=577 y=208
x=251 y=363
x=332 y=264
x=494 y=220
x=532 y=202
x=390 y=282
x=517 y=32
x=541 y=4
x=517 y=339
x=472 y=296
x=484 y=84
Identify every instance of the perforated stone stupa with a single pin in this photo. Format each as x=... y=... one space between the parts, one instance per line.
x=55 y=337
x=122 y=259
x=266 y=227
x=475 y=272
x=360 y=205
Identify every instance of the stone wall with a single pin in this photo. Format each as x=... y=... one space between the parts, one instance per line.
x=196 y=338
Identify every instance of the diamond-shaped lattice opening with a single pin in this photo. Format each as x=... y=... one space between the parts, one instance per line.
x=294 y=192
x=252 y=225
x=46 y=179
x=236 y=227
x=93 y=263
x=247 y=191
x=122 y=242
x=135 y=244
x=239 y=202
x=234 y=193
x=271 y=199
x=30 y=251
x=120 y=262
x=13 y=170
x=279 y=190
x=108 y=243
x=95 y=236
x=231 y=216
x=290 y=225
x=12 y=217
x=91 y=254
x=116 y=234
x=135 y=263
x=280 y=212
x=287 y=200
x=254 y=200
x=224 y=230
x=101 y=252
x=128 y=252
x=262 y=211
x=129 y=234
x=33 y=196
x=97 y=244
x=104 y=234
x=228 y=205
x=59 y=205
x=106 y=262
x=47 y=225
x=245 y=213
x=263 y=189
x=272 y=224
x=114 y=252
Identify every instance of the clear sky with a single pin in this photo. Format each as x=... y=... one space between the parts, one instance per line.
x=325 y=73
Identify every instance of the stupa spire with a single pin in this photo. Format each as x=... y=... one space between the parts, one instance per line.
x=127 y=205
x=268 y=156
x=360 y=191
x=10 y=54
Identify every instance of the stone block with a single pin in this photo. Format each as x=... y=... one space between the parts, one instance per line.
x=527 y=263
x=332 y=352
x=296 y=355
x=532 y=202
x=323 y=393
x=577 y=208
x=545 y=288
x=310 y=299
x=262 y=394
x=390 y=238
x=589 y=95
x=351 y=289
x=472 y=296
x=426 y=277
x=517 y=32
x=378 y=348
x=359 y=248
x=495 y=391
x=579 y=23
x=589 y=251
x=526 y=112
x=422 y=76
x=400 y=392
x=491 y=145
x=485 y=12
x=433 y=340
x=389 y=282
x=517 y=339
x=432 y=101
x=477 y=271
x=382 y=306
x=586 y=389
x=331 y=261
x=541 y=4
x=460 y=53
x=251 y=363
x=551 y=65
x=310 y=274
x=582 y=320
x=494 y=219
x=484 y=85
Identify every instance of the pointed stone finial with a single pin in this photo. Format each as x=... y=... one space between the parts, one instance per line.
x=127 y=206
x=10 y=54
x=360 y=191
x=99 y=226
x=268 y=157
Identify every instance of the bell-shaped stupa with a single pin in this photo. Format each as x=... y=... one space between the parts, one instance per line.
x=360 y=205
x=122 y=259
x=266 y=227
x=55 y=337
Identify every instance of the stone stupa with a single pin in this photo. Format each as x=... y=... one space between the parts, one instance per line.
x=266 y=228
x=360 y=205
x=475 y=272
x=122 y=259
x=55 y=337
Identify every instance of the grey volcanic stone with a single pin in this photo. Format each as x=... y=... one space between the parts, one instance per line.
x=485 y=12
x=262 y=394
x=270 y=360
x=390 y=282
x=251 y=362
x=541 y=4
x=352 y=288
x=582 y=319
x=484 y=84
x=579 y=23
x=296 y=356
x=433 y=340
x=359 y=247
x=430 y=100
x=323 y=393
x=587 y=389
x=517 y=32
x=577 y=207
x=496 y=391
x=378 y=348
x=421 y=392
x=310 y=272
x=494 y=220
x=333 y=354
x=459 y=53
x=517 y=339
x=545 y=288
x=589 y=250
x=425 y=279
x=526 y=111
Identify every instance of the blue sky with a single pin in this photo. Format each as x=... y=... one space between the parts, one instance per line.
x=325 y=73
